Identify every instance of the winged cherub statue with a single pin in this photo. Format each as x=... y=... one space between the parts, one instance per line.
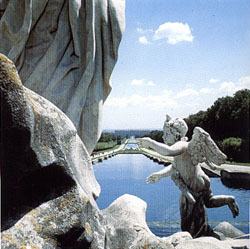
x=187 y=174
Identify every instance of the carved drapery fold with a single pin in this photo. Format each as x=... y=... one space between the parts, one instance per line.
x=65 y=51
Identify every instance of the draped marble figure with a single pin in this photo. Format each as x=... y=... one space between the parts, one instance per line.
x=65 y=51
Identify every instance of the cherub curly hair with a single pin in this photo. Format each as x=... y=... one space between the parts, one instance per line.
x=177 y=126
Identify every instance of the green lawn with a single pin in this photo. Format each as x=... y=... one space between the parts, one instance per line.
x=105 y=146
x=237 y=163
x=130 y=152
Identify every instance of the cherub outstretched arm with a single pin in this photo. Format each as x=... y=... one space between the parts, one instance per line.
x=156 y=176
x=163 y=149
x=175 y=176
x=211 y=165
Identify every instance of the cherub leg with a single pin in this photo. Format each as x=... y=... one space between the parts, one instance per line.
x=212 y=201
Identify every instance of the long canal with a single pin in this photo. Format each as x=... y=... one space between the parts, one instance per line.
x=127 y=173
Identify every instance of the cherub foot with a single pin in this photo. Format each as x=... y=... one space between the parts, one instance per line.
x=234 y=207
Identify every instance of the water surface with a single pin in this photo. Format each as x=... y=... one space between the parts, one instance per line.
x=131 y=146
x=127 y=173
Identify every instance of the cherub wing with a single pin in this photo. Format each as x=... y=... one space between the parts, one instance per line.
x=203 y=149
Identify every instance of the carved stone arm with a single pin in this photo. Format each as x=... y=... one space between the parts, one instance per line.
x=211 y=165
x=156 y=176
x=163 y=149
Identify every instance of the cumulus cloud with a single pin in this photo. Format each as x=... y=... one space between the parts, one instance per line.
x=139 y=101
x=227 y=87
x=244 y=82
x=134 y=100
x=190 y=100
x=174 y=32
x=137 y=82
x=142 y=82
x=213 y=81
x=144 y=40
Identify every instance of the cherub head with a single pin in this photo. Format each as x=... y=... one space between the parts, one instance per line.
x=174 y=130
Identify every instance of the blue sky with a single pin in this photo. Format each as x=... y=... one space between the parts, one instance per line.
x=177 y=57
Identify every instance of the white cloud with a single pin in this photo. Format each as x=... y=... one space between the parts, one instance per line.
x=174 y=32
x=227 y=87
x=139 y=101
x=187 y=92
x=231 y=87
x=148 y=111
x=123 y=102
x=244 y=82
x=137 y=82
x=213 y=81
x=150 y=83
x=144 y=40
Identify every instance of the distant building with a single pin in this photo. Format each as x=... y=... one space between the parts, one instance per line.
x=130 y=133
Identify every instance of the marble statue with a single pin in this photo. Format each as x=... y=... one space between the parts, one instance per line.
x=65 y=51
x=187 y=174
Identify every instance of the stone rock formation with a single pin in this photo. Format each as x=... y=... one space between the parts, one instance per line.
x=48 y=183
x=226 y=230
x=65 y=51
x=42 y=154
x=128 y=213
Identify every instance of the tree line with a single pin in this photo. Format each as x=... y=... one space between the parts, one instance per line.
x=108 y=141
x=109 y=137
x=155 y=134
x=227 y=121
